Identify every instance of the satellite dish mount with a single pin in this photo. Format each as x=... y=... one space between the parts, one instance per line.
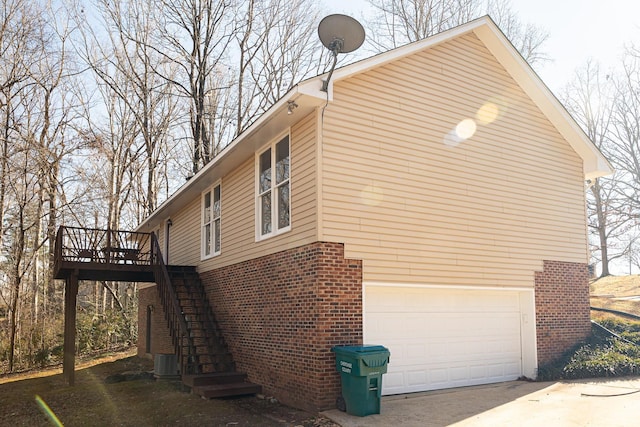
x=339 y=34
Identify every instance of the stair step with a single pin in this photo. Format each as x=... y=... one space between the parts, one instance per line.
x=180 y=268
x=205 y=368
x=185 y=295
x=226 y=390
x=187 y=280
x=206 y=359
x=199 y=345
x=214 y=378
x=212 y=349
x=192 y=313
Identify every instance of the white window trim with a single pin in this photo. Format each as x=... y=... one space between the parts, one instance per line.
x=213 y=253
x=274 y=199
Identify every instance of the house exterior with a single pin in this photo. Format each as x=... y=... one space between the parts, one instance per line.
x=431 y=201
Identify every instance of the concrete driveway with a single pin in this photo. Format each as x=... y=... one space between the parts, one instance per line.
x=606 y=402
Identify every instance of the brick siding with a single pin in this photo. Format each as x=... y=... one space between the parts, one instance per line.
x=562 y=308
x=282 y=313
x=160 y=337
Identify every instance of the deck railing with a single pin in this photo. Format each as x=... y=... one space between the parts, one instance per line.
x=75 y=244
x=183 y=343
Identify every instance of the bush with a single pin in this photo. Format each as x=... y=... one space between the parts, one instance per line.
x=103 y=332
x=616 y=359
x=634 y=337
x=42 y=357
x=601 y=356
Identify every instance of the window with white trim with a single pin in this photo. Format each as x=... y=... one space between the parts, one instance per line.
x=211 y=215
x=273 y=202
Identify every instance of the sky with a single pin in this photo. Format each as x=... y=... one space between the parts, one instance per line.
x=579 y=30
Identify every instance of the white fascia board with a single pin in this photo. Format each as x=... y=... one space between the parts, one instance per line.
x=313 y=88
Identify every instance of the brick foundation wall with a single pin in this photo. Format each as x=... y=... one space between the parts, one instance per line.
x=282 y=313
x=562 y=308
x=160 y=337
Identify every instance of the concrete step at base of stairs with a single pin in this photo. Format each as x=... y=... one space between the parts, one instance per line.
x=226 y=390
x=220 y=384
x=213 y=378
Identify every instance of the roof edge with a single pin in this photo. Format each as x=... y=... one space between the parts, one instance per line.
x=407 y=50
x=302 y=93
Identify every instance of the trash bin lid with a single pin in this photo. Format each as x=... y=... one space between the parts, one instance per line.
x=359 y=349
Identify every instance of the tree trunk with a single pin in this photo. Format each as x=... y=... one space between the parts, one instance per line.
x=602 y=228
x=52 y=225
x=4 y=159
x=15 y=294
x=13 y=321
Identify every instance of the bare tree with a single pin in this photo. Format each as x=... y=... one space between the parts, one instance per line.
x=625 y=145
x=23 y=188
x=16 y=57
x=607 y=105
x=128 y=56
x=56 y=105
x=609 y=222
x=113 y=150
x=194 y=36
x=589 y=99
x=278 y=47
x=34 y=116
x=528 y=38
x=626 y=129
x=398 y=22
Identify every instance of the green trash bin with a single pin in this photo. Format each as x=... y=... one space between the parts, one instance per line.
x=361 y=369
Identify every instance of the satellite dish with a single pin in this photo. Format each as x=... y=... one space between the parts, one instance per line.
x=339 y=34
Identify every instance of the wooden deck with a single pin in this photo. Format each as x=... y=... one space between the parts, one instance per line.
x=93 y=254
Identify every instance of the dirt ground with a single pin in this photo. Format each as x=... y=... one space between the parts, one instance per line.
x=120 y=391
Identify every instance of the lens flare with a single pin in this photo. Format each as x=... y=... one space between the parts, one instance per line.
x=466 y=128
x=451 y=139
x=488 y=113
x=48 y=412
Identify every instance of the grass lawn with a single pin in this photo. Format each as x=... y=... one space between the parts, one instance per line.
x=613 y=292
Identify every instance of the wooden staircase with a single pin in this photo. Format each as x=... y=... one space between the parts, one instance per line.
x=209 y=369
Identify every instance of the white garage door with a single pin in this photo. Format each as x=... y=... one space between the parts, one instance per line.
x=441 y=338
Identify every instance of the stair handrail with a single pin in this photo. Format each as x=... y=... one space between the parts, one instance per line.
x=57 y=250
x=170 y=301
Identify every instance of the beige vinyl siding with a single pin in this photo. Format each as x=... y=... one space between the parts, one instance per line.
x=238 y=207
x=184 y=238
x=416 y=210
